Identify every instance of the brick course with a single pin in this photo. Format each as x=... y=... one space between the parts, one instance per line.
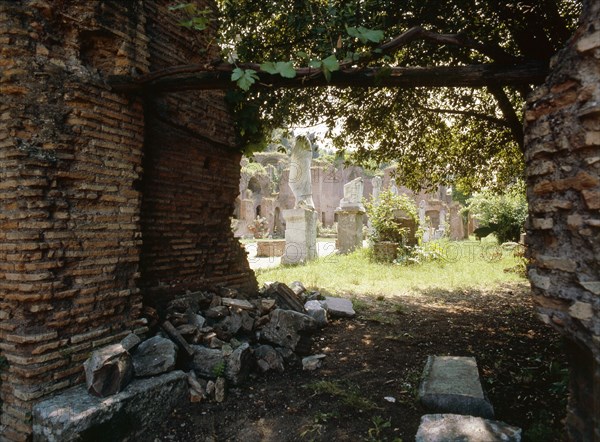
x=101 y=195
x=563 y=180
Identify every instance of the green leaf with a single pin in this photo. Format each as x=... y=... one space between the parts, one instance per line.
x=244 y=78
x=331 y=63
x=286 y=69
x=315 y=64
x=269 y=67
x=189 y=7
x=365 y=34
x=301 y=54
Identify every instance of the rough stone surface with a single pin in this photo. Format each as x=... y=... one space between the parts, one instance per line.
x=108 y=370
x=285 y=328
x=454 y=427
x=349 y=230
x=339 y=307
x=268 y=358
x=76 y=415
x=154 y=356
x=315 y=310
x=451 y=384
x=310 y=363
x=239 y=364
x=208 y=362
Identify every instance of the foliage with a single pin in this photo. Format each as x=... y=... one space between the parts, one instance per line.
x=441 y=135
x=501 y=214
x=254 y=169
x=383 y=215
x=432 y=251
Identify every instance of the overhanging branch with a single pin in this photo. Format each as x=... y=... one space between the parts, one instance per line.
x=196 y=77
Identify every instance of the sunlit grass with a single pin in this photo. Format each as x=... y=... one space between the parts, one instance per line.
x=466 y=265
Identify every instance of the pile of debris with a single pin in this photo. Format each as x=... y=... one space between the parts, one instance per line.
x=218 y=338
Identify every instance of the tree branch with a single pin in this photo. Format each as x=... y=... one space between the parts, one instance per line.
x=196 y=77
x=515 y=124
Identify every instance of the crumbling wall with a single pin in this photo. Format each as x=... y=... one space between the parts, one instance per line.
x=191 y=177
x=74 y=167
x=563 y=179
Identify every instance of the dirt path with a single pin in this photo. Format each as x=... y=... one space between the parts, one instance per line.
x=380 y=354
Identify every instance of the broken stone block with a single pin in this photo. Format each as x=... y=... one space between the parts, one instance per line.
x=108 y=370
x=154 y=356
x=455 y=427
x=217 y=312
x=312 y=362
x=266 y=305
x=237 y=303
x=247 y=322
x=285 y=297
x=451 y=385
x=298 y=288
x=339 y=307
x=208 y=363
x=285 y=326
x=239 y=364
x=315 y=310
x=197 y=387
x=75 y=415
x=228 y=327
x=130 y=341
x=268 y=358
x=195 y=319
x=177 y=338
x=220 y=390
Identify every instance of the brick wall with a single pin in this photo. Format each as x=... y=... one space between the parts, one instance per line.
x=563 y=172
x=74 y=167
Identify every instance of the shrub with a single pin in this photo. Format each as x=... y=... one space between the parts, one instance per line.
x=383 y=215
x=504 y=215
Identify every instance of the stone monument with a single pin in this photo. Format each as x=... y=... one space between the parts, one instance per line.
x=301 y=221
x=350 y=217
x=376 y=182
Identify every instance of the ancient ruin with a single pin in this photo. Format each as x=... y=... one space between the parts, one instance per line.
x=114 y=204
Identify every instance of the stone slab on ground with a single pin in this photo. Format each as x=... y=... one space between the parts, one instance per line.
x=455 y=427
x=76 y=415
x=451 y=384
x=339 y=307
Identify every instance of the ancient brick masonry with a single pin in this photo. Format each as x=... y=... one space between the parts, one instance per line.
x=563 y=173
x=101 y=194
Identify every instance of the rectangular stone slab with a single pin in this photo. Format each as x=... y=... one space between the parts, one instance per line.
x=76 y=415
x=454 y=427
x=451 y=384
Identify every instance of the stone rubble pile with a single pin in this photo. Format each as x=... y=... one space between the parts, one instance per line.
x=219 y=338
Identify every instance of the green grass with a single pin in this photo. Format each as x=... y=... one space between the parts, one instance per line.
x=467 y=265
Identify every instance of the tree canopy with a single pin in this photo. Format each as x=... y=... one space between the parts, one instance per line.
x=439 y=84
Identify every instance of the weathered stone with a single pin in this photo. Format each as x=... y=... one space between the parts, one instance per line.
x=339 y=307
x=197 y=387
x=266 y=305
x=237 y=303
x=196 y=320
x=177 y=338
x=537 y=280
x=285 y=326
x=108 y=370
x=454 y=427
x=228 y=327
x=297 y=287
x=582 y=311
x=239 y=364
x=154 y=356
x=285 y=297
x=220 y=390
x=75 y=415
x=557 y=263
x=217 y=312
x=208 y=363
x=312 y=362
x=451 y=385
x=247 y=322
x=300 y=236
x=268 y=358
x=315 y=310
x=591 y=286
x=349 y=230
x=130 y=341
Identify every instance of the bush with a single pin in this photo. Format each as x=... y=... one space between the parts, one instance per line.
x=504 y=215
x=384 y=213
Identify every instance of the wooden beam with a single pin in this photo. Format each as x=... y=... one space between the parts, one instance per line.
x=186 y=78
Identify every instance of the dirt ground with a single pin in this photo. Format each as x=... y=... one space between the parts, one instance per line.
x=380 y=354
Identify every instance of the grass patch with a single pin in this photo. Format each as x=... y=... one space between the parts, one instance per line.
x=465 y=265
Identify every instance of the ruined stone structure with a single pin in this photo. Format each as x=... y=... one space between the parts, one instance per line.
x=108 y=202
x=563 y=235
